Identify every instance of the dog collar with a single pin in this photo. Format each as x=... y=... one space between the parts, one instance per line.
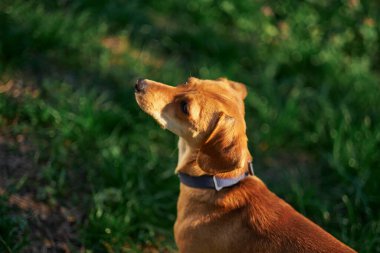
x=213 y=182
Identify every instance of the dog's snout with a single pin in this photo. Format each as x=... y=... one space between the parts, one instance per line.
x=140 y=85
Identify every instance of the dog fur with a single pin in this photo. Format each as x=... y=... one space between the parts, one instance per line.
x=208 y=117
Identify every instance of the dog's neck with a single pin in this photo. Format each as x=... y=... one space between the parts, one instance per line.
x=187 y=162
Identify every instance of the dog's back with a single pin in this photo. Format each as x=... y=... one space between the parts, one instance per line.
x=246 y=218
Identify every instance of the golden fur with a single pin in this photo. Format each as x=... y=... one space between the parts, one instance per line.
x=212 y=140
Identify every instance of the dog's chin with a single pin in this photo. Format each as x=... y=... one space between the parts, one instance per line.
x=163 y=124
x=147 y=108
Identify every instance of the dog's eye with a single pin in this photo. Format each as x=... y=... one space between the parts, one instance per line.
x=185 y=107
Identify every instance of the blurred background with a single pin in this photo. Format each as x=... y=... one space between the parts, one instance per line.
x=83 y=169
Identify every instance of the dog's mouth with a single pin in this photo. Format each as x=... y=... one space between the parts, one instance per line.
x=148 y=107
x=155 y=99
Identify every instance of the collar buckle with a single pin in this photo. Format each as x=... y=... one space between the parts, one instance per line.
x=216 y=185
x=250 y=169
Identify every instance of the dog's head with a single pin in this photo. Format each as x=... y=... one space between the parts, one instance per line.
x=207 y=114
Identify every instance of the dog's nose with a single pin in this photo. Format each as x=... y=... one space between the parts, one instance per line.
x=140 y=85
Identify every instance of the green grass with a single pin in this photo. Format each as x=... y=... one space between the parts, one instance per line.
x=313 y=109
x=13 y=229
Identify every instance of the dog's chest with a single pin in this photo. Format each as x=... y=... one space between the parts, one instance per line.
x=203 y=229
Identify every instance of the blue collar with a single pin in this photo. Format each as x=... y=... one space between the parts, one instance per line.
x=213 y=182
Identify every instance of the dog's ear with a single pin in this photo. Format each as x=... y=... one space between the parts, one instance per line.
x=238 y=87
x=225 y=148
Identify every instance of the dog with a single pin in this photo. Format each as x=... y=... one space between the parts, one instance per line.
x=222 y=205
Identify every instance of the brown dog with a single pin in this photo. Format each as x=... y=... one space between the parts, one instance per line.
x=208 y=117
